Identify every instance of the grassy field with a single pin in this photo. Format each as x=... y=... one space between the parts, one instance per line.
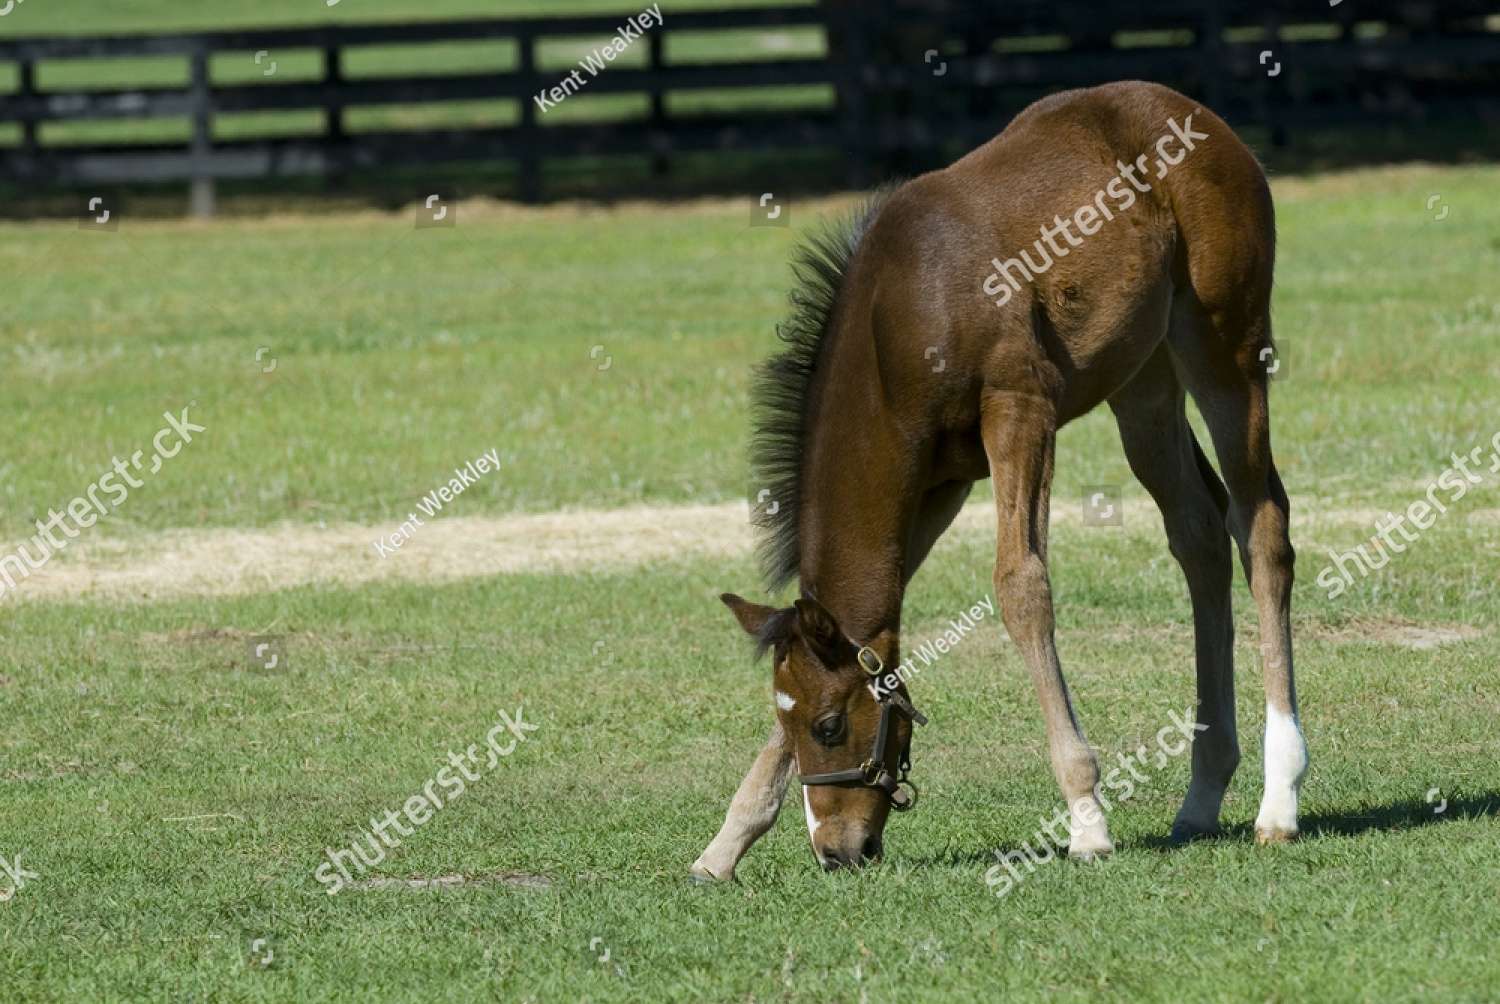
x=173 y=796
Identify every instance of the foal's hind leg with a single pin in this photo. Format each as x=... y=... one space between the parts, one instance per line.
x=1222 y=367
x=1020 y=432
x=1167 y=461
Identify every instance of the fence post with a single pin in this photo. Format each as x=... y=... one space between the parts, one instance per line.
x=1211 y=56
x=1273 y=90
x=659 y=164
x=848 y=47
x=527 y=157
x=336 y=155
x=979 y=107
x=333 y=76
x=201 y=198
x=27 y=89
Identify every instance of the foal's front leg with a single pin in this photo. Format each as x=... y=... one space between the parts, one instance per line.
x=1019 y=433
x=752 y=811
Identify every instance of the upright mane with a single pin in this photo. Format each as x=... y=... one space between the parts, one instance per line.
x=782 y=391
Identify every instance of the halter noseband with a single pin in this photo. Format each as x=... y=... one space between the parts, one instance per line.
x=875 y=772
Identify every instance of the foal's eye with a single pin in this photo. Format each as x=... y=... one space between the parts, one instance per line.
x=829 y=730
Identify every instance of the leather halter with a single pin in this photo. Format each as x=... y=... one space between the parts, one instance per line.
x=876 y=772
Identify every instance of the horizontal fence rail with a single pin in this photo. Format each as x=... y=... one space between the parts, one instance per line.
x=888 y=84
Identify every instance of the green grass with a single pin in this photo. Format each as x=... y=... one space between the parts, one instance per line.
x=389 y=339
x=147 y=717
x=174 y=799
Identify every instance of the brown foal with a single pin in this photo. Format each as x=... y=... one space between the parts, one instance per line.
x=938 y=341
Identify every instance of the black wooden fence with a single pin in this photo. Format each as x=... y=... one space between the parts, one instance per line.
x=908 y=81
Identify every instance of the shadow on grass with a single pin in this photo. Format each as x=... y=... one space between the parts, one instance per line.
x=1395 y=816
x=1403 y=815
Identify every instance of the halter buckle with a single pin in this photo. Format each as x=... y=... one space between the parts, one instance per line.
x=869 y=661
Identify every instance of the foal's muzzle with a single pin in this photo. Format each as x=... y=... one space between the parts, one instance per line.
x=868 y=853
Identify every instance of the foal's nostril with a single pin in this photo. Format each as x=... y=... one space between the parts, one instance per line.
x=845 y=857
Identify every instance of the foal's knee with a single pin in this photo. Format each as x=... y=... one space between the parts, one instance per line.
x=1218 y=753
x=1199 y=541
x=1273 y=560
x=1024 y=593
x=1077 y=771
x=1262 y=528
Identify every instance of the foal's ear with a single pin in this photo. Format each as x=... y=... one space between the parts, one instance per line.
x=752 y=616
x=821 y=632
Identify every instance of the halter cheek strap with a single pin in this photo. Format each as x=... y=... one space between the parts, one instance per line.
x=876 y=772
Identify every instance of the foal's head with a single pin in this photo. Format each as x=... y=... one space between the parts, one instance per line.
x=831 y=717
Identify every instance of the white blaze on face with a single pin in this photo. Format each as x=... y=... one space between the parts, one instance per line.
x=812 y=821
x=786 y=702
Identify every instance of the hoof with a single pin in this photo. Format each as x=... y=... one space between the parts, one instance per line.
x=1264 y=837
x=1089 y=857
x=700 y=875
x=1186 y=833
x=1088 y=852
